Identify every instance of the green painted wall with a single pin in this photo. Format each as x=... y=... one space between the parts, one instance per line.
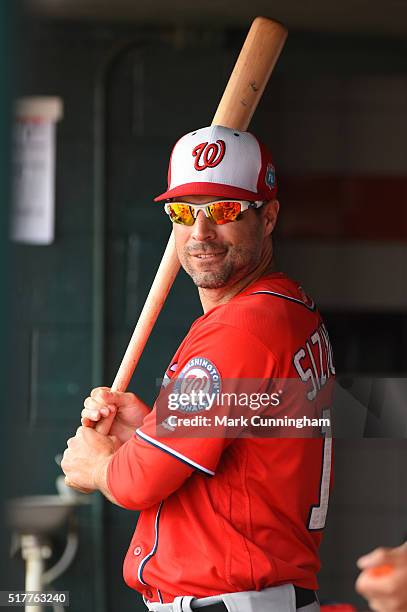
x=8 y=61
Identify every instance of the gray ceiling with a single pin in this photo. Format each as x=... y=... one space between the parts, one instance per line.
x=382 y=17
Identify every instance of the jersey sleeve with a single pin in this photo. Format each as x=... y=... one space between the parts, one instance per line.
x=225 y=357
x=139 y=475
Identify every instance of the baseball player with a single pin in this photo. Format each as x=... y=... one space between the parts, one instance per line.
x=227 y=522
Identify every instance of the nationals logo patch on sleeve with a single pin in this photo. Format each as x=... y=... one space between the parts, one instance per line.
x=200 y=380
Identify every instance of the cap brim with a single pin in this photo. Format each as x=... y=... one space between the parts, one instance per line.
x=211 y=189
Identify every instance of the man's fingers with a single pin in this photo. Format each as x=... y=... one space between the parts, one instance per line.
x=98 y=390
x=378 y=556
x=92 y=404
x=96 y=415
x=86 y=422
x=105 y=396
x=374 y=587
x=94 y=410
x=376 y=605
x=93 y=414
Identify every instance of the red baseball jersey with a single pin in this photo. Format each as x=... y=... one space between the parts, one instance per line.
x=220 y=514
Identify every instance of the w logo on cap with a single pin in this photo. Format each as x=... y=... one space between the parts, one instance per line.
x=208 y=155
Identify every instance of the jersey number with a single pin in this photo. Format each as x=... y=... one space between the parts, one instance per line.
x=317 y=516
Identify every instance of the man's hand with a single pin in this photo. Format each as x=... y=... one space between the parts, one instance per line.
x=86 y=459
x=383 y=581
x=128 y=408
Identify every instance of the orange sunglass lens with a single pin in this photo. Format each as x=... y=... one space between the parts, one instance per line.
x=181 y=213
x=224 y=212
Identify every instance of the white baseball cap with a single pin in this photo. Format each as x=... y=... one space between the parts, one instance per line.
x=221 y=162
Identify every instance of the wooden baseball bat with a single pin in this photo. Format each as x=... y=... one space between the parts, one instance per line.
x=252 y=70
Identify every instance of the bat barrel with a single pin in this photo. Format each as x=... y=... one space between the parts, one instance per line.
x=251 y=73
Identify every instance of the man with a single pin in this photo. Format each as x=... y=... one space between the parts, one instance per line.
x=383 y=580
x=228 y=522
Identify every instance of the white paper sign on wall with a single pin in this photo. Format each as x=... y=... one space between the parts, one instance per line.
x=33 y=207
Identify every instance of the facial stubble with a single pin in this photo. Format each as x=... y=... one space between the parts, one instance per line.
x=238 y=262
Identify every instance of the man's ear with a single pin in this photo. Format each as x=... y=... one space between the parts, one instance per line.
x=270 y=215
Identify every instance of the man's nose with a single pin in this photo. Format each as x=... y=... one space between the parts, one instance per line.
x=203 y=228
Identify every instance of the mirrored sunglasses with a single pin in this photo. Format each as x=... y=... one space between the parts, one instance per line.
x=220 y=212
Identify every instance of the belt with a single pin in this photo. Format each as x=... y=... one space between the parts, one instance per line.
x=303 y=597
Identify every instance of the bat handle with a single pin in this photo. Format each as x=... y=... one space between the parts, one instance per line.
x=103 y=426
x=157 y=295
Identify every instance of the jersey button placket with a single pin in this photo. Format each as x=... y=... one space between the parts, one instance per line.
x=137 y=551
